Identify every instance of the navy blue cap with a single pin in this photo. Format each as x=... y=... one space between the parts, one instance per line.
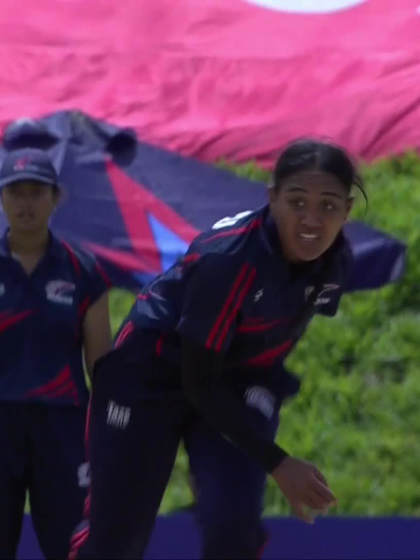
x=27 y=164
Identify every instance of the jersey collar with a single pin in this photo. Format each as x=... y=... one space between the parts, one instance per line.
x=54 y=247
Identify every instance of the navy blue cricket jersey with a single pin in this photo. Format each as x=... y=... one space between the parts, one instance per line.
x=41 y=320
x=234 y=292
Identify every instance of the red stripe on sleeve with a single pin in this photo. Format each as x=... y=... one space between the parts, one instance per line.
x=268 y=357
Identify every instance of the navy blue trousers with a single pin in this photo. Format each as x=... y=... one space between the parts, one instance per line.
x=134 y=437
x=41 y=451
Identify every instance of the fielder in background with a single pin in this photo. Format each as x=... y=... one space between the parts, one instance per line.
x=53 y=307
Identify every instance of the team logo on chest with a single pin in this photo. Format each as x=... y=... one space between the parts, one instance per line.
x=60 y=291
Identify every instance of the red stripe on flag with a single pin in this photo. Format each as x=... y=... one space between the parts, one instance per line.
x=137 y=204
x=236 y=308
x=218 y=323
x=126 y=261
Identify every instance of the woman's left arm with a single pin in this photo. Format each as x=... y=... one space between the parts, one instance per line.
x=96 y=332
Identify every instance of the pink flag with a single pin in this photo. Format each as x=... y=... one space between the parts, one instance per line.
x=221 y=79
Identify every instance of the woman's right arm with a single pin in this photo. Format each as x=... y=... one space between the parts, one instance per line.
x=204 y=386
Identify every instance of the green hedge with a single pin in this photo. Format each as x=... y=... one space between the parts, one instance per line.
x=358 y=413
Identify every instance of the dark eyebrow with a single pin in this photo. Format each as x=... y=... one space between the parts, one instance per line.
x=296 y=189
x=329 y=193
x=324 y=193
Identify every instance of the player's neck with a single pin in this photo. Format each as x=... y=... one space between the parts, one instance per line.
x=31 y=244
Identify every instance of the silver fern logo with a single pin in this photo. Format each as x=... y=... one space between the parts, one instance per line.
x=60 y=291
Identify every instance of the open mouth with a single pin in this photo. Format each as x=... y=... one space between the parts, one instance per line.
x=309 y=237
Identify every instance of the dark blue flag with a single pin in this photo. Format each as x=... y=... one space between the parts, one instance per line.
x=137 y=207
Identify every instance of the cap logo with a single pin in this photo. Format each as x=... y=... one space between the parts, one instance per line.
x=21 y=164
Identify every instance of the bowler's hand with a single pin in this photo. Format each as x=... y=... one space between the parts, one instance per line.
x=304 y=486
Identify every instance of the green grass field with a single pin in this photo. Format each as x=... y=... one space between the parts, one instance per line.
x=358 y=413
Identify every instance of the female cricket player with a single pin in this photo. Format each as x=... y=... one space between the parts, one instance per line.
x=53 y=306
x=200 y=359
